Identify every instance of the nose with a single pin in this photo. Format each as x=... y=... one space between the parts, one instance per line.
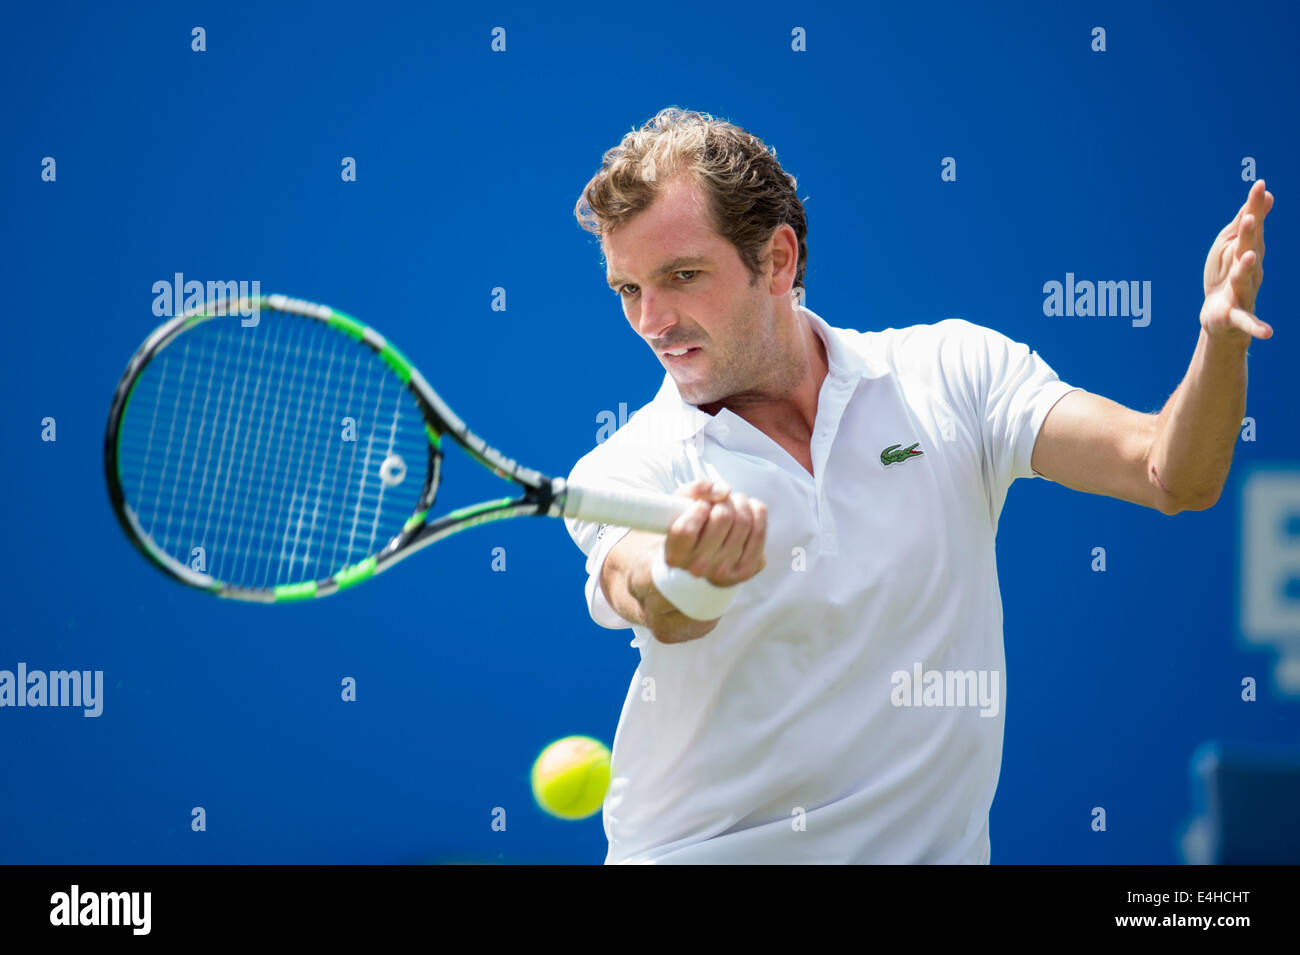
x=656 y=315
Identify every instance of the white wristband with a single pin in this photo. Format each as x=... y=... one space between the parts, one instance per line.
x=694 y=596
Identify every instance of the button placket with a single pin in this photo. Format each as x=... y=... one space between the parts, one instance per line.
x=826 y=426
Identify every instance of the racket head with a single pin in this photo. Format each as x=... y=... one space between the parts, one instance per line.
x=271 y=449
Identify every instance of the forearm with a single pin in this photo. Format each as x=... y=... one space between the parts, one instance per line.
x=629 y=587
x=1197 y=430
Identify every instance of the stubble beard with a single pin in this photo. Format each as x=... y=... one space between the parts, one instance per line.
x=758 y=366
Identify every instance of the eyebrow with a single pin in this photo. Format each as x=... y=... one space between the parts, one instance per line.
x=671 y=266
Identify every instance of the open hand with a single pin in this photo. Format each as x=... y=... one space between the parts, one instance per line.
x=1234 y=271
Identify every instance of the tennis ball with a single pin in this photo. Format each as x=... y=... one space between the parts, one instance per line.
x=570 y=777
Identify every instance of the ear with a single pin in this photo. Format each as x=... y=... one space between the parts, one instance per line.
x=782 y=257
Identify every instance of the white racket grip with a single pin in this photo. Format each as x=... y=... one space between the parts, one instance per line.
x=640 y=510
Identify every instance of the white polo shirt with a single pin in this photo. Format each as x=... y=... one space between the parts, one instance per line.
x=849 y=706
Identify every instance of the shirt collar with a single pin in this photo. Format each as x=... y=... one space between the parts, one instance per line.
x=849 y=364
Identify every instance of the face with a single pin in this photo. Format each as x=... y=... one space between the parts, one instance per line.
x=684 y=287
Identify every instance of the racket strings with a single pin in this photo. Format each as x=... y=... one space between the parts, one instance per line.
x=277 y=449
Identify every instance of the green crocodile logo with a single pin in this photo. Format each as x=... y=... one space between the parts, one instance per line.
x=892 y=454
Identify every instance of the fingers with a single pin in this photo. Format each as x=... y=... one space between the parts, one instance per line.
x=1259 y=201
x=705 y=558
x=740 y=525
x=1244 y=253
x=1256 y=199
x=752 y=559
x=721 y=537
x=1251 y=238
x=684 y=534
x=1234 y=270
x=1246 y=273
x=704 y=488
x=1249 y=324
x=692 y=489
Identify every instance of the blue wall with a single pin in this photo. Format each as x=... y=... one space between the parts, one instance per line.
x=225 y=164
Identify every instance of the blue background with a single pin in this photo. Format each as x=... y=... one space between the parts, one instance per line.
x=226 y=165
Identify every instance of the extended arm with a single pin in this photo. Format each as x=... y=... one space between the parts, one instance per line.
x=1179 y=459
x=1197 y=430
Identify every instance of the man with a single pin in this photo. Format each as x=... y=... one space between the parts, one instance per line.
x=821 y=634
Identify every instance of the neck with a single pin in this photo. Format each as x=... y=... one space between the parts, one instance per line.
x=790 y=409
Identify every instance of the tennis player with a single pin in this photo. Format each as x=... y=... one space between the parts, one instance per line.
x=821 y=635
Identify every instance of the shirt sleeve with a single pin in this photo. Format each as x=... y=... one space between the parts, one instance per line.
x=609 y=465
x=1014 y=389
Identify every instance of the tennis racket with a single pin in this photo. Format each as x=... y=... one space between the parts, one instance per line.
x=297 y=455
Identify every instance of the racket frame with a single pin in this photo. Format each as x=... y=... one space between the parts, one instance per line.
x=542 y=496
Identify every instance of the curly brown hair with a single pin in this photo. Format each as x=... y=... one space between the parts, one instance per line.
x=748 y=193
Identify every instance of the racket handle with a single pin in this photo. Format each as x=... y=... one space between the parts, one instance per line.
x=640 y=510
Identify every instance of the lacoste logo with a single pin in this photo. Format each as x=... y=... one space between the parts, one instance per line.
x=892 y=454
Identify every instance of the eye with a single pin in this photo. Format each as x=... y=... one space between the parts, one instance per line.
x=691 y=273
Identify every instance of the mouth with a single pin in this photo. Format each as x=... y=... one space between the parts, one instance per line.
x=676 y=356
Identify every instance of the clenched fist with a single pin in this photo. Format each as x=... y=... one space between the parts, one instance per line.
x=721 y=537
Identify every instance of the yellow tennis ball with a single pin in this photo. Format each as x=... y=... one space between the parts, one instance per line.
x=570 y=777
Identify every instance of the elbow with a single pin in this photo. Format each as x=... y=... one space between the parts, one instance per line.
x=1204 y=503
x=1169 y=501
x=1171 y=505
x=679 y=628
